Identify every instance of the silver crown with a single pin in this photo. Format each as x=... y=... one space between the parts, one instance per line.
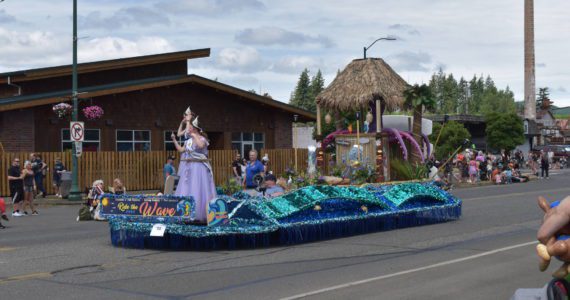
x=195 y=123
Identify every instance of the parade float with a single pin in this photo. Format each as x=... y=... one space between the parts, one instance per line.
x=325 y=207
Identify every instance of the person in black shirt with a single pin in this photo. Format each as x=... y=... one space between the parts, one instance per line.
x=236 y=167
x=57 y=169
x=39 y=168
x=483 y=170
x=544 y=164
x=16 y=182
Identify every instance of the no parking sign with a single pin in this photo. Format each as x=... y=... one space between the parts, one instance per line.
x=76 y=131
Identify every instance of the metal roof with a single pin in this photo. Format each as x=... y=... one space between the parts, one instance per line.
x=26 y=101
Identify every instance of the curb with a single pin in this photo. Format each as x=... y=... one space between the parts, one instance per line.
x=464 y=185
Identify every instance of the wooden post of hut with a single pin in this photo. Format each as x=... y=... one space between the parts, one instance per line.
x=365 y=84
x=380 y=159
x=319 y=138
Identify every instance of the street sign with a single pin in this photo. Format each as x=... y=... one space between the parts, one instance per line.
x=78 y=149
x=76 y=131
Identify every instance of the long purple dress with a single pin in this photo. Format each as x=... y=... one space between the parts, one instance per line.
x=196 y=178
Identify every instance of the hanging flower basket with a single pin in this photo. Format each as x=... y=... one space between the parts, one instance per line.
x=93 y=112
x=62 y=110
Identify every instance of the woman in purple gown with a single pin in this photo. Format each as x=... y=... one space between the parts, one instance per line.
x=196 y=177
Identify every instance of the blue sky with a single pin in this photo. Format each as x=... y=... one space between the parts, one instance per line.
x=265 y=44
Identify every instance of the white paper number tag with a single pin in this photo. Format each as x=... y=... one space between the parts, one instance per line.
x=158 y=230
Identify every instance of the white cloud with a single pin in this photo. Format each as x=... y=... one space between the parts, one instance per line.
x=296 y=64
x=410 y=61
x=277 y=36
x=6 y=18
x=46 y=49
x=450 y=34
x=209 y=7
x=404 y=28
x=114 y=47
x=246 y=59
x=137 y=16
x=29 y=49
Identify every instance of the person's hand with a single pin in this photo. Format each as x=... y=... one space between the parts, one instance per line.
x=556 y=220
x=191 y=129
x=173 y=136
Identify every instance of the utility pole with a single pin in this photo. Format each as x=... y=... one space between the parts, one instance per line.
x=75 y=193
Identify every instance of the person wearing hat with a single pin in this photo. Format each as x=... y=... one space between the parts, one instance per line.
x=169 y=167
x=271 y=187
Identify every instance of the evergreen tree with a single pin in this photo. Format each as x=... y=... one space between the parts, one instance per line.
x=450 y=95
x=508 y=104
x=316 y=87
x=479 y=96
x=489 y=101
x=463 y=97
x=301 y=97
x=543 y=100
x=436 y=86
x=477 y=87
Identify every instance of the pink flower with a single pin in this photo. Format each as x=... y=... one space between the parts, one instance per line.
x=62 y=109
x=93 y=112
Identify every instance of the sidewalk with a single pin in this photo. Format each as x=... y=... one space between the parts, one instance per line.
x=461 y=185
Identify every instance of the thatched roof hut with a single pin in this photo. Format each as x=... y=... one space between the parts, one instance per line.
x=362 y=82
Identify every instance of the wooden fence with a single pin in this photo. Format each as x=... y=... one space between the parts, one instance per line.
x=143 y=170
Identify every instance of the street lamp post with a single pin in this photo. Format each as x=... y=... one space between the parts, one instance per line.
x=384 y=38
x=358 y=135
x=295 y=117
x=75 y=193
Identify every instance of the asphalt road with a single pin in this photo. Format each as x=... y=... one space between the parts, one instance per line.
x=487 y=254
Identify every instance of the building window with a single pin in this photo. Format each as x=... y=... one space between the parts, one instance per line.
x=91 y=141
x=168 y=143
x=245 y=141
x=133 y=140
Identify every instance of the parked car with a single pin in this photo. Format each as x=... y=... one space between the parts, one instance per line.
x=558 y=150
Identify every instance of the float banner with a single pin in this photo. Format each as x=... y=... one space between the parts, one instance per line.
x=148 y=206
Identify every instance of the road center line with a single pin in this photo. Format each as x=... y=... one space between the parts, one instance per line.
x=444 y=263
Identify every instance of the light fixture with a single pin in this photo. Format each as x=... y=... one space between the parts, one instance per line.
x=328 y=118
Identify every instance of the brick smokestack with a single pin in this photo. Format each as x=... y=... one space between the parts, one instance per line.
x=529 y=77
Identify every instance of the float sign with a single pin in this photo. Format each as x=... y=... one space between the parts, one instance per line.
x=148 y=206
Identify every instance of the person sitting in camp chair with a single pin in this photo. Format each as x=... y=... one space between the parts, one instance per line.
x=92 y=207
x=269 y=187
x=118 y=188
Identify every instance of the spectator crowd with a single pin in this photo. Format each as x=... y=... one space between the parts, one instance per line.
x=472 y=166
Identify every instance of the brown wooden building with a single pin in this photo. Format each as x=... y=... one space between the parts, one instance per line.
x=143 y=99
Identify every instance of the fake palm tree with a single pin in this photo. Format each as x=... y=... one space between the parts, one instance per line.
x=417 y=97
